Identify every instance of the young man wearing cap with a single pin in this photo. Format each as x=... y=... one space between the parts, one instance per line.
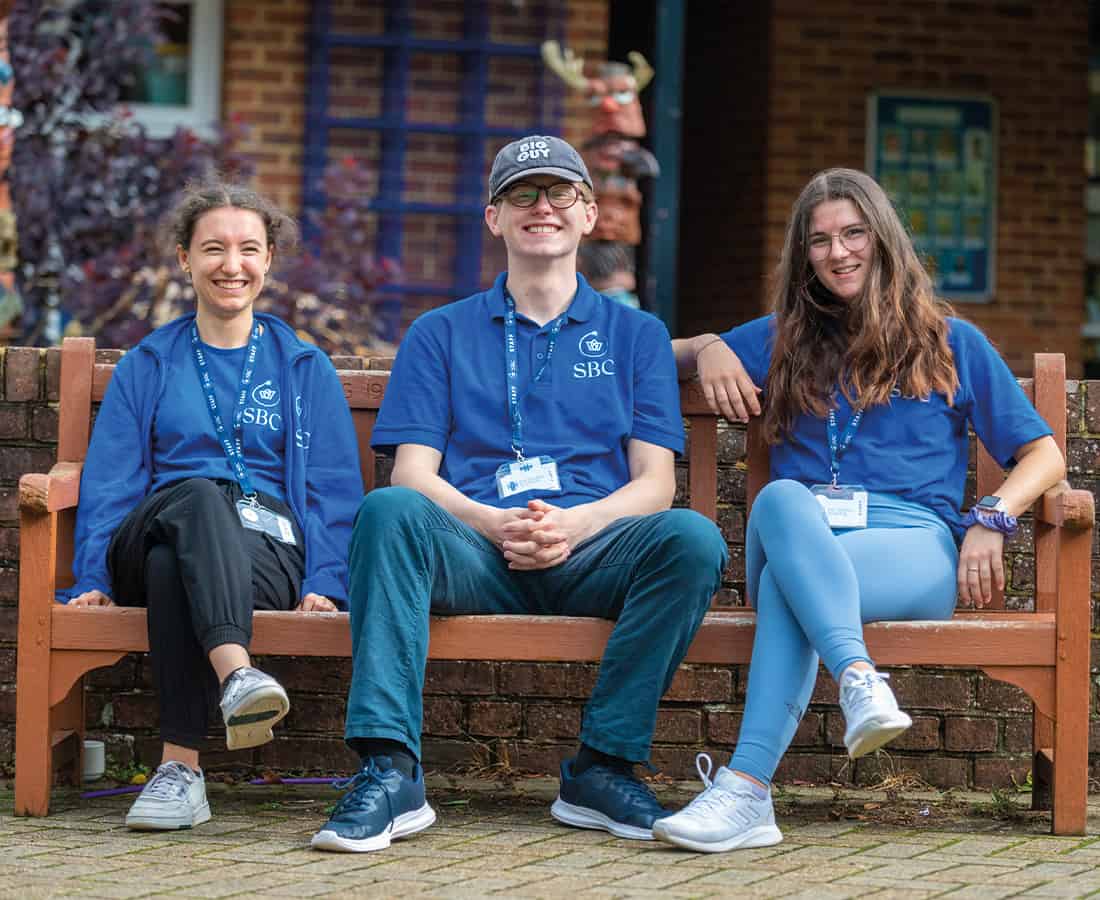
x=534 y=427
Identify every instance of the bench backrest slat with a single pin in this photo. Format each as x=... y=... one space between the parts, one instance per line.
x=364 y=425
x=703 y=465
x=1050 y=400
x=74 y=419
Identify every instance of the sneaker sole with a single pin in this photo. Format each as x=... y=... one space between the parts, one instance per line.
x=154 y=823
x=876 y=733
x=250 y=724
x=404 y=825
x=763 y=836
x=583 y=817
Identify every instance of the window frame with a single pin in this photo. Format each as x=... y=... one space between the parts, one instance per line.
x=204 y=87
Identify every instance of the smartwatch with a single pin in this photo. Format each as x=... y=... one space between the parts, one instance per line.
x=991 y=512
x=991 y=503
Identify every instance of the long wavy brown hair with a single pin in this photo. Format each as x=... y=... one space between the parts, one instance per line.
x=894 y=334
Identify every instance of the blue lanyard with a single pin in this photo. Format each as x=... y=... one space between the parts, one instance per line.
x=511 y=358
x=839 y=444
x=231 y=444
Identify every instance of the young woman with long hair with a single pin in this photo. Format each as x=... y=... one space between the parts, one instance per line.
x=869 y=385
x=222 y=476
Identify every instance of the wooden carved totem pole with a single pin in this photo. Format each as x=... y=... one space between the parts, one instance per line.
x=616 y=162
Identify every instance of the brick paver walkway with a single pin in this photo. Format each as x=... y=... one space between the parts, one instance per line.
x=498 y=840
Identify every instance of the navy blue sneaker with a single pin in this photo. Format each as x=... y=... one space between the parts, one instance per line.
x=381 y=804
x=609 y=799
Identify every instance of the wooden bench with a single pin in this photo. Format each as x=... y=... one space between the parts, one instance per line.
x=1044 y=652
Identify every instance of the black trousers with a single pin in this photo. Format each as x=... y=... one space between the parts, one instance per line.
x=183 y=554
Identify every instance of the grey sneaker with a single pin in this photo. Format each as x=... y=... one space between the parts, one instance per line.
x=251 y=703
x=870 y=711
x=730 y=814
x=175 y=797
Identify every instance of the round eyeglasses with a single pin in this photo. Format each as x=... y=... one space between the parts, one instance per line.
x=560 y=195
x=853 y=238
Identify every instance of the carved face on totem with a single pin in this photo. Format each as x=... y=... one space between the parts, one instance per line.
x=613 y=96
x=620 y=210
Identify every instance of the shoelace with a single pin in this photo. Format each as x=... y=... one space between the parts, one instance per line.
x=861 y=689
x=169 y=781
x=713 y=796
x=363 y=785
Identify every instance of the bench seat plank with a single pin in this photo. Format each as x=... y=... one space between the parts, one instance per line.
x=970 y=639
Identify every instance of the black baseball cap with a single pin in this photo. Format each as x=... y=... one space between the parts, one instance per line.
x=537 y=154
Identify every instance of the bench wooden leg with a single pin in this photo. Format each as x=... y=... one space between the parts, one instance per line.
x=67 y=735
x=33 y=761
x=33 y=739
x=1042 y=761
x=1071 y=717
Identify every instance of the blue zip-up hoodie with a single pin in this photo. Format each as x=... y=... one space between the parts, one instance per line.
x=322 y=480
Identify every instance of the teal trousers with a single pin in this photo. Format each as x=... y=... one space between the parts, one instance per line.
x=653 y=575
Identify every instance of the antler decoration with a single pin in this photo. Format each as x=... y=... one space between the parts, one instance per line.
x=568 y=66
x=643 y=71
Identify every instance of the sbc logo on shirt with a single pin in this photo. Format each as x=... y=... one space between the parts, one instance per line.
x=266 y=396
x=593 y=347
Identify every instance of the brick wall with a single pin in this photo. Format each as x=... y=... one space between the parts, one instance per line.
x=823 y=60
x=968 y=729
x=264 y=84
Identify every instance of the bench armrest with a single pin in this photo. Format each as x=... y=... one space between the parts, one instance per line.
x=58 y=490
x=1064 y=507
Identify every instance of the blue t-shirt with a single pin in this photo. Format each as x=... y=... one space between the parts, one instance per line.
x=184 y=441
x=917 y=449
x=611 y=378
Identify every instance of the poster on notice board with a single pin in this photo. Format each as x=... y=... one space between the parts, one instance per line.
x=935 y=156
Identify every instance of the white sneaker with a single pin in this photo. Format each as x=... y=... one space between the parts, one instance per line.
x=730 y=814
x=870 y=711
x=251 y=703
x=175 y=797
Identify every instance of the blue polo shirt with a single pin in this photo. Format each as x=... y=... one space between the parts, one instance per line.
x=611 y=378
x=915 y=448
x=185 y=444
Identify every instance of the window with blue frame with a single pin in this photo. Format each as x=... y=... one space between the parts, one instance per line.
x=425 y=93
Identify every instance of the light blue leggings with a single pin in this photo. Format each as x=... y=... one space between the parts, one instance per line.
x=813 y=587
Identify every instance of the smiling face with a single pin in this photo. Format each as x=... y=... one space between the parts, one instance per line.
x=541 y=231
x=228 y=257
x=840 y=269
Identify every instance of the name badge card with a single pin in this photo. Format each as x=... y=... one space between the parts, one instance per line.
x=536 y=474
x=845 y=505
x=259 y=518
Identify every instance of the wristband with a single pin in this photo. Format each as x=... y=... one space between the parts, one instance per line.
x=713 y=340
x=994 y=521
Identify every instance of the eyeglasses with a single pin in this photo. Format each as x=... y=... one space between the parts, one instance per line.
x=853 y=238
x=524 y=195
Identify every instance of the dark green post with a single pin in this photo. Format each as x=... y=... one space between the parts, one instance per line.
x=663 y=212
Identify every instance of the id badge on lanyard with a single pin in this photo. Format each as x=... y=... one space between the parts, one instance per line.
x=539 y=473
x=252 y=514
x=844 y=505
x=256 y=517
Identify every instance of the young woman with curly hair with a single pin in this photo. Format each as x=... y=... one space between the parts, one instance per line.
x=222 y=477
